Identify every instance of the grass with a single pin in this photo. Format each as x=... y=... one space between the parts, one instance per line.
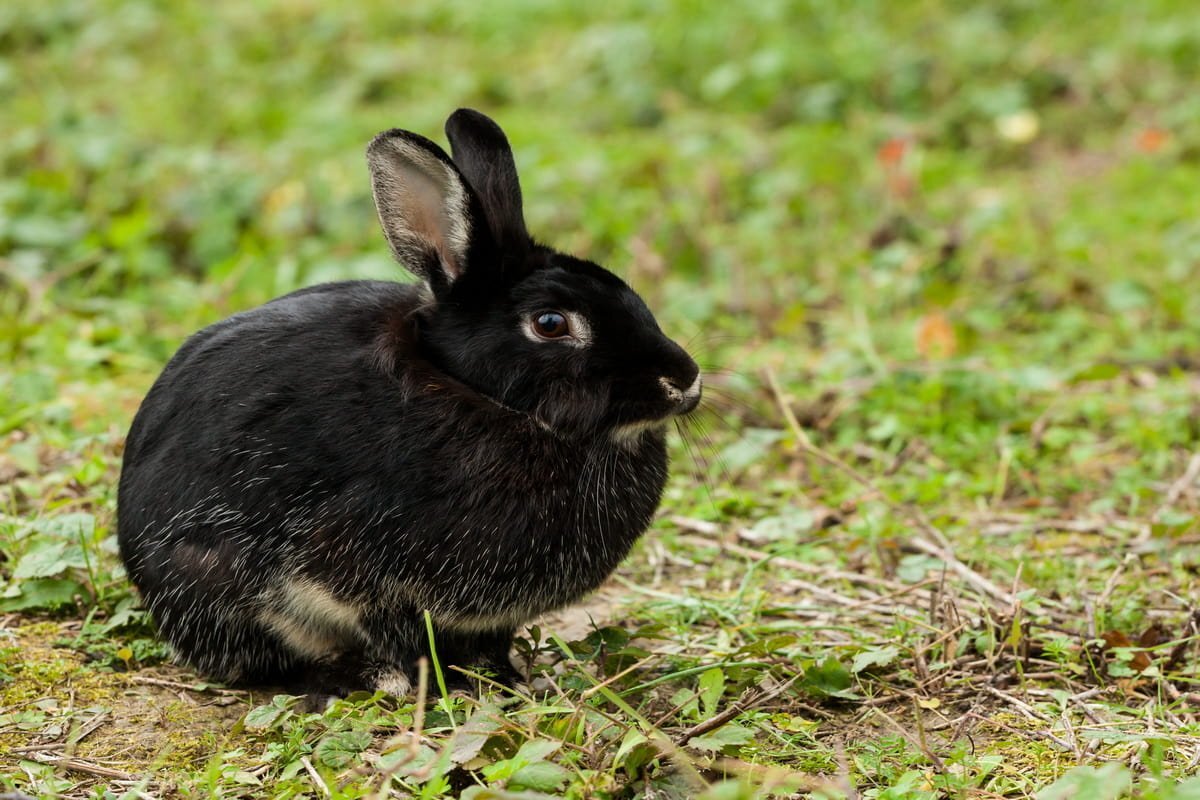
x=936 y=532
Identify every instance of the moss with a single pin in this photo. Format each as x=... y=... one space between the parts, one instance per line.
x=50 y=691
x=33 y=689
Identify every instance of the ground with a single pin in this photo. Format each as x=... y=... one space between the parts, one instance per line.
x=934 y=531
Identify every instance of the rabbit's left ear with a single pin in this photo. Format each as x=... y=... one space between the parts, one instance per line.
x=482 y=152
x=427 y=210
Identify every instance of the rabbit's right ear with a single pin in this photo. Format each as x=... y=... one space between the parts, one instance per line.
x=424 y=205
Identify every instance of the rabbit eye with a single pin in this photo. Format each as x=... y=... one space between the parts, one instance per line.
x=551 y=325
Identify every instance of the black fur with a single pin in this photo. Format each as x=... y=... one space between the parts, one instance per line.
x=482 y=153
x=306 y=479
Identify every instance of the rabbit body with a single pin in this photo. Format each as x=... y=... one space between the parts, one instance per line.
x=307 y=479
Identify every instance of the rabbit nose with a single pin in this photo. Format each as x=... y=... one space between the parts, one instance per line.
x=687 y=397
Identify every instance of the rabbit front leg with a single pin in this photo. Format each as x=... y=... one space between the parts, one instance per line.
x=472 y=651
x=396 y=640
x=486 y=651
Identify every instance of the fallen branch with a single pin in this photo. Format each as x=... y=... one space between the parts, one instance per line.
x=1191 y=474
x=318 y=782
x=199 y=688
x=739 y=707
x=79 y=765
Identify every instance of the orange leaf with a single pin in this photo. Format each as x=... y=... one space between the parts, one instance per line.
x=1152 y=140
x=1115 y=639
x=891 y=152
x=1153 y=636
x=1140 y=661
x=935 y=336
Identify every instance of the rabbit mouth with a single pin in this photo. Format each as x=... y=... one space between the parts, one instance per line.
x=683 y=401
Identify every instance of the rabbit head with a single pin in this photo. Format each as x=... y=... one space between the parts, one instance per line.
x=556 y=337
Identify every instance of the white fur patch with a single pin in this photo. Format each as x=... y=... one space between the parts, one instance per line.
x=310 y=619
x=676 y=395
x=673 y=393
x=631 y=433
x=581 y=329
x=395 y=682
x=306 y=598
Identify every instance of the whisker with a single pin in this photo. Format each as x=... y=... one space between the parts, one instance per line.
x=715 y=464
x=721 y=402
x=701 y=464
x=712 y=370
x=708 y=338
x=709 y=465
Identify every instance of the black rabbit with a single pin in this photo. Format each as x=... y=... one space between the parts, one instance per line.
x=305 y=480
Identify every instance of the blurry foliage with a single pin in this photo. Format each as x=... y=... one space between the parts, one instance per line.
x=166 y=164
x=965 y=237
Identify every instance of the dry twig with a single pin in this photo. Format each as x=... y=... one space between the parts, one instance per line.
x=736 y=709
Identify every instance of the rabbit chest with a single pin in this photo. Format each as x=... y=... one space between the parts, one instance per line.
x=487 y=523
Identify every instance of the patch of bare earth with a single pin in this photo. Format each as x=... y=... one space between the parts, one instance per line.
x=97 y=727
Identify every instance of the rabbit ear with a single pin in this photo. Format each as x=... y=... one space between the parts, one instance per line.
x=483 y=154
x=424 y=205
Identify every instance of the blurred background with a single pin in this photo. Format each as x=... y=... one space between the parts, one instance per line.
x=955 y=246
x=959 y=206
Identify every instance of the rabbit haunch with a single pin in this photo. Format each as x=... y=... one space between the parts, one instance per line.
x=307 y=479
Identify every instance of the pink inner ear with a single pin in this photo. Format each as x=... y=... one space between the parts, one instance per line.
x=422 y=204
x=428 y=220
x=421 y=200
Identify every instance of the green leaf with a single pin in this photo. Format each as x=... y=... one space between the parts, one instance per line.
x=48 y=558
x=402 y=762
x=44 y=593
x=1106 y=782
x=875 y=657
x=786 y=527
x=830 y=679
x=754 y=445
x=730 y=735
x=908 y=787
x=266 y=716
x=126 y=613
x=769 y=645
x=263 y=717
x=473 y=734
x=729 y=790
x=635 y=752
x=71 y=527
x=1188 y=790
x=492 y=793
x=532 y=752
x=338 y=750
x=536 y=750
x=543 y=776
x=1124 y=737
x=712 y=688
x=1096 y=372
